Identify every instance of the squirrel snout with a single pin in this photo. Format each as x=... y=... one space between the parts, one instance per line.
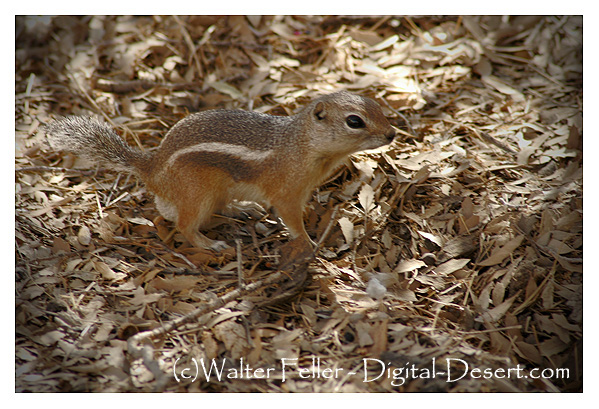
x=391 y=134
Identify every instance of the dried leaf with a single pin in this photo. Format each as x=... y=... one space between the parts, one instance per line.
x=499 y=254
x=451 y=266
x=347 y=228
x=375 y=289
x=233 y=335
x=405 y=295
x=547 y=295
x=495 y=314
x=366 y=197
x=51 y=338
x=84 y=236
x=529 y=352
x=498 y=293
x=459 y=181
x=363 y=332
x=174 y=284
x=386 y=43
x=60 y=245
x=408 y=265
x=429 y=236
x=552 y=346
x=226 y=89
x=106 y=272
x=502 y=87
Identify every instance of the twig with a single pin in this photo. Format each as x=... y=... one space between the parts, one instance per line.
x=174 y=253
x=488 y=138
x=535 y=294
x=90 y=99
x=118 y=199
x=488 y=331
x=100 y=212
x=30 y=83
x=402 y=116
x=240 y=277
x=112 y=189
x=326 y=230
x=52 y=169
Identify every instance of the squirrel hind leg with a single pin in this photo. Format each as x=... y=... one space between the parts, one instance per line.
x=189 y=222
x=188 y=229
x=197 y=239
x=200 y=241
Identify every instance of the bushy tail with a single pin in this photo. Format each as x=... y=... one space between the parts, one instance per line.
x=97 y=141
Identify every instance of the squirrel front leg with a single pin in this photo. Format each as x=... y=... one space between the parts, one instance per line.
x=292 y=215
x=300 y=248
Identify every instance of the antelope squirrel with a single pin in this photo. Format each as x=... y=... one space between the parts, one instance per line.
x=211 y=158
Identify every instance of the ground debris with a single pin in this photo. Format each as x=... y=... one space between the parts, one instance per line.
x=459 y=246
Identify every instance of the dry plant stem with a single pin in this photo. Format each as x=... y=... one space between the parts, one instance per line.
x=331 y=46
x=327 y=230
x=124 y=87
x=90 y=99
x=536 y=293
x=240 y=277
x=85 y=172
x=380 y=23
x=487 y=331
x=412 y=134
x=112 y=189
x=483 y=136
x=192 y=49
x=179 y=255
x=415 y=29
x=118 y=199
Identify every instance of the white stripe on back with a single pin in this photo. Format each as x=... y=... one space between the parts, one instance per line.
x=238 y=151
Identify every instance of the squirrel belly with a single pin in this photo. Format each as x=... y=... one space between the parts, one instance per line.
x=211 y=158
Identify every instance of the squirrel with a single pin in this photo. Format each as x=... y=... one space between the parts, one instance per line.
x=210 y=158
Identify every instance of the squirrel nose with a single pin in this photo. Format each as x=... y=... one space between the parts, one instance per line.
x=390 y=134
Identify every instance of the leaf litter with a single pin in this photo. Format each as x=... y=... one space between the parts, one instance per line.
x=463 y=239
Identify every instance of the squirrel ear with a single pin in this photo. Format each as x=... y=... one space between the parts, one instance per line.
x=319 y=111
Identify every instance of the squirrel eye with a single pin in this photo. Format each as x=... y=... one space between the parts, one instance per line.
x=355 y=122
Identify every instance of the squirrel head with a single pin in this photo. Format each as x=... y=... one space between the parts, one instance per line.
x=346 y=123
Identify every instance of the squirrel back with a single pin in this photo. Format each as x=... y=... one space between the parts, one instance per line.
x=213 y=157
